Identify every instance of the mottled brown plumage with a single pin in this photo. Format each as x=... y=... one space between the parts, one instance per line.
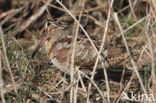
x=57 y=43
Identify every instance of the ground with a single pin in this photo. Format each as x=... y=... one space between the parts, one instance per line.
x=37 y=80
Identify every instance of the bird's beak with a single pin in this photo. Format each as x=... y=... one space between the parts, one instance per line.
x=39 y=45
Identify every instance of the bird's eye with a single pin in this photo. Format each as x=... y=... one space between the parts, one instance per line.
x=49 y=24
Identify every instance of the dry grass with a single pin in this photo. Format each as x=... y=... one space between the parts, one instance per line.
x=129 y=23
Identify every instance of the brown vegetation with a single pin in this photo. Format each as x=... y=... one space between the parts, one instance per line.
x=129 y=25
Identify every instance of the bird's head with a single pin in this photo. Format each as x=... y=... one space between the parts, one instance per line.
x=53 y=31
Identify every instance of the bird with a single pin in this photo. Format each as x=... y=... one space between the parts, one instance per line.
x=57 y=42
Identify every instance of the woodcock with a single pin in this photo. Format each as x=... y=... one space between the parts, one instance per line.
x=58 y=41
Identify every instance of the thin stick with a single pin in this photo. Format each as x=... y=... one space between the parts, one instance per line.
x=76 y=88
x=72 y=61
x=94 y=84
x=31 y=19
x=1 y=80
x=130 y=56
x=98 y=57
x=152 y=57
x=126 y=87
x=3 y=15
x=7 y=61
x=82 y=30
x=132 y=26
x=90 y=40
x=11 y=15
x=132 y=11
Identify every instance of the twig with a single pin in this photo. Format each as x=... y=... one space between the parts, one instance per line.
x=82 y=30
x=121 y=86
x=1 y=80
x=72 y=60
x=76 y=88
x=77 y=11
x=152 y=8
x=132 y=11
x=126 y=87
x=94 y=84
x=15 y=11
x=90 y=40
x=6 y=13
x=132 y=26
x=130 y=56
x=98 y=57
x=104 y=5
x=75 y=35
x=95 y=20
x=7 y=61
x=31 y=19
x=153 y=76
x=82 y=83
